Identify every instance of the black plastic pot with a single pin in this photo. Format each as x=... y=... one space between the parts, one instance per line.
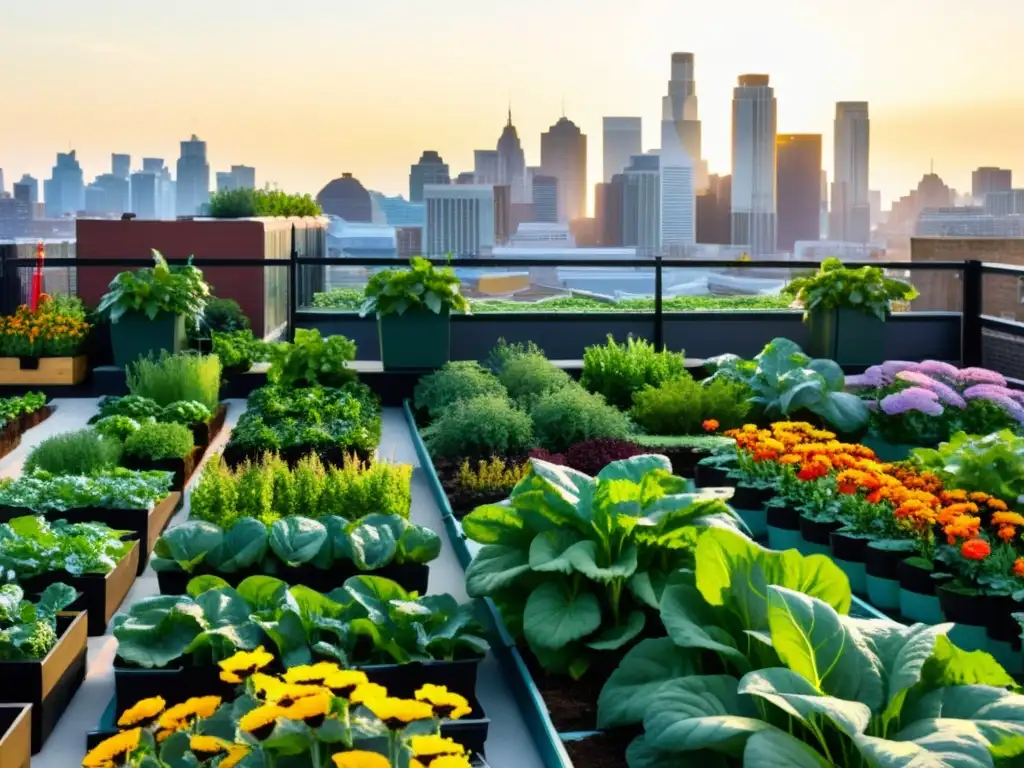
x=785 y=518
x=747 y=497
x=883 y=563
x=817 y=531
x=174 y=684
x=961 y=608
x=998 y=619
x=403 y=679
x=916 y=578
x=852 y=549
x=713 y=477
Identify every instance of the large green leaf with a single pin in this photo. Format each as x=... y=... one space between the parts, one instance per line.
x=692 y=623
x=296 y=540
x=244 y=546
x=635 y=468
x=640 y=754
x=777 y=749
x=614 y=637
x=418 y=544
x=640 y=675
x=930 y=744
x=998 y=714
x=263 y=592
x=548 y=551
x=950 y=665
x=583 y=557
x=374 y=544
x=496 y=524
x=289 y=636
x=797 y=697
x=157 y=631
x=188 y=544
x=494 y=568
x=844 y=411
x=555 y=616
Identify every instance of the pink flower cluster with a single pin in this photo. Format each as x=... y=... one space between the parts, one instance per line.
x=1011 y=400
x=913 y=399
x=946 y=394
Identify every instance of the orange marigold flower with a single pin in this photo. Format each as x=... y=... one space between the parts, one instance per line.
x=1018 y=566
x=978 y=497
x=997 y=504
x=975 y=549
x=710 y=425
x=874 y=497
x=952 y=497
x=789 y=458
x=1007 y=532
x=1007 y=518
x=812 y=471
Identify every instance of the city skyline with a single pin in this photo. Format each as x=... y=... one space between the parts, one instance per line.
x=955 y=110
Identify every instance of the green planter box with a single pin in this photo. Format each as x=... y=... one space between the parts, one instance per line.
x=414 y=341
x=135 y=336
x=849 y=337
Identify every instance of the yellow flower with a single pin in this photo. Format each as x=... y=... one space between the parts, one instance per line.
x=432 y=745
x=260 y=721
x=343 y=681
x=205 y=747
x=196 y=707
x=399 y=712
x=309 y=673
x=170 y=728
x=113 y=750
x=360 y=759
x=367 y=692
x=276 y=692
x=142 y=711
x=312 y=709
x=243 y=664
x=236 y=753
x=446 y=704
x=450 y=761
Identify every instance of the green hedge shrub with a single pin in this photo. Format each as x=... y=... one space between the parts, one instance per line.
x=529 y=377
x=618 y=370
x=571 y=415
x=480 y=428
x=456 y=381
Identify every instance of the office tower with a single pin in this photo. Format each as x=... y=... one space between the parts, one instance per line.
x=563 y=154
x=512 y=163
x=798 y=188
x=875 y=205
x=158 y=198
x=431 y=169
x=22 y=194
x=485 y=166
x=460 y=219
x=622 y=139
x=409 y=240
x=608 y=210
x=545 y=199
x=64 y=191
x=225 y=181
x=145 y=195
x=641 y=205
x=987 y=179
x=193 y=182
x=245 y=176
x=714 y=212
x=466 y=177
x=679 y=107
x=121 y=166
x=2 y=188
x=1004 y=202
x=109 y=195
x=502 y=214
x=396 y=211
x=753 y=165
x=850 y=220
x=33 y=186
x=347 y=199
x=824 y=205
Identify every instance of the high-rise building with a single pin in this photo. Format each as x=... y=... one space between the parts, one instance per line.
x=502 y=214
x=753 y=165
x=64 y=191
x=875 y=205
x=33 y=186
x=431 y=169
x=162 y=190
x=396 y=211
x=641 y=205
x=193 y=178
x=245 y=176
x=850 y=219
x=145 y=195
x=225 y=181
x=466 y=177
x=22 y=193
x=608 y=210
x=409 y=241
x=545 y=199
x=460 y=219
x=798 y=188
x=1004 y=202
x=988 y=179
x=512 y=163
x=824 y=204
x=563 y=155
x=714 y=212
x=121 y=165
x=679 y=106
x=3 y=190
x=109 y=195
x=485 y=166
x=622 y=138
x=347 y=199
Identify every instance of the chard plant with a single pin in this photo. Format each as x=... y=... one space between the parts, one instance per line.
x=573 y=561
x=28 y=631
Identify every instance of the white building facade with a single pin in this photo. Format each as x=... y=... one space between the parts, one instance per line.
x=459 y=219
x=851 y=202
x=622 y=137
x=754 y=122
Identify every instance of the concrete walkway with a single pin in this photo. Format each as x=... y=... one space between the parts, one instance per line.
x=509 y=744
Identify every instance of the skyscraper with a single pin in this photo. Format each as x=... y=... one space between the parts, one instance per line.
x=679 y=106
x=485 y=166
x=245 y=176
x=108 y=194
x=33 y=185
x=512 y=163
x=753 y=165
x=225 y=181
x=798 y=188
x=545 y=199
x=193 y=183
x=622 y=139
x=121 y=165
x=563 y=154
x=985 y=180
x=460 y=219
x=2 y=188
x=153 y=191
x=850 y=219
x=431 y=169
x=65 y=189
x=641 y=205
x=608 y=210
x=714 y=211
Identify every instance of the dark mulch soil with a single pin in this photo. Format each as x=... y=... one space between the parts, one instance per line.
x=604 y=750
x=572 y=704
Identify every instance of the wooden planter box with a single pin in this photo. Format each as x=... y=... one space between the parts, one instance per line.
x=181 y=468
x=11 y=432
x=205 y=432
x=50 y=683
x=15 y=735
x=145 y=524
x=43 y=371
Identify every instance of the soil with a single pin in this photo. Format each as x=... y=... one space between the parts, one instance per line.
x=572 y=704
x=603 y=750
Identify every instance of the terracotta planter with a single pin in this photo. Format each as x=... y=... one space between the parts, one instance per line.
x=16 y=735
x=44 y=371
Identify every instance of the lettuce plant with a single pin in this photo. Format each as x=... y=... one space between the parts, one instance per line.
x=992 y=463
x=28 y=630
x=368 y=620
x=371 y=543
x=117 y=489
x=31 y=546
x=762 y=667
x=572 y=560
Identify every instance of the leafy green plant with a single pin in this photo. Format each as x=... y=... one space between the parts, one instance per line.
x=133 y=406
x=993 y=464
x=494 y=475
x=370 y=543
x=572 y=560
x=784 y=381
x=529 y=377
x=156 y=289
x=116 y=489
x=312 y=360
x=156 y=442
x=762 y=666
x=83 y=452
x=571 y=415
x=238 y=350
x=453 y=383
x=28 y=631
x=186 y=412
x=616 y=371
x=865 y=289
x=681 y=405
x=420 y=288
x=224 y=316
x=171 y=379
x=503 y=352
x=31 y=546
x=368 y=620
x=13 y=407
x=480 y=428
x=250 y=203
x=117 y=427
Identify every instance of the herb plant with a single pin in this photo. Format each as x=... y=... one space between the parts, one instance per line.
x=83 y=452
x=616 y=371
x=453 y=383
x=572 y=560
x=312 y=360
x=480 y=428
x=571 y=415
x=157 y=442
x=503 y=353
x=238 y=350
x=682 y=405
x=420 y=288
x=116 y=489
x=175 y=378
x=156 y=289
x=133 y=406
x=13 y=407
x=32 y=546
x=117 y=427
x=530 y=377
x=992 y=464
x=28 y=631
x=865 y=289
x=187 y=412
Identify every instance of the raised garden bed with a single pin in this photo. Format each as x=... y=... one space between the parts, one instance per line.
x=11 y=432
x=205 y=432
x=48 y=684
x=16 y=735
x=181 y=469
x=43 y=371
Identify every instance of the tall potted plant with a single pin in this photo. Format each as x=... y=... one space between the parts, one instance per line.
x=845 y=309
x=148 y=308
x=413 y=308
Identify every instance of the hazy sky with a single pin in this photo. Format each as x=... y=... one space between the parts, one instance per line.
x=307 y=89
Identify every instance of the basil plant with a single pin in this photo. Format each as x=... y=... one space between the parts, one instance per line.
x=761 y=667
x=575 y=562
